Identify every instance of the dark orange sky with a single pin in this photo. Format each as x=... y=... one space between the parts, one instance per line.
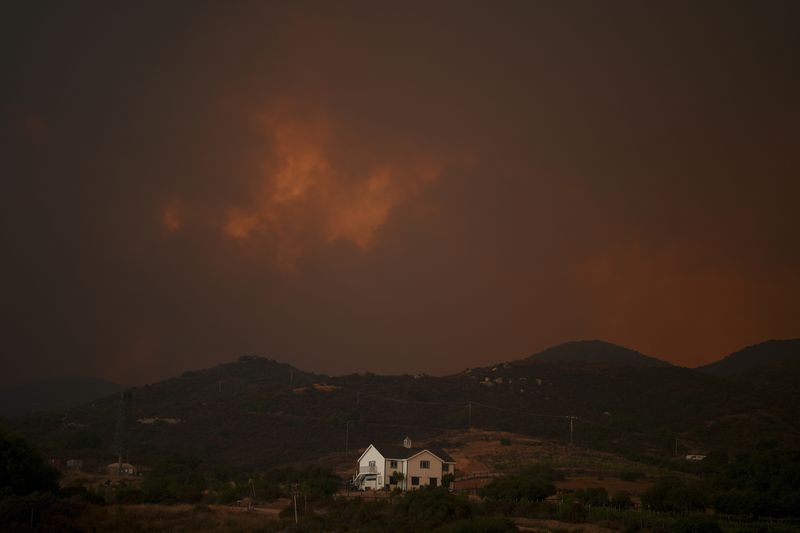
x=394 y=187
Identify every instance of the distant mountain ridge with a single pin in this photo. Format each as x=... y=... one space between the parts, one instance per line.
x=257 y=412
x=599 y=352
x=768 y=353
x=53 y=395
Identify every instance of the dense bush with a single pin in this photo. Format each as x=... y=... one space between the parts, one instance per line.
x=621 y=500
x=592 y=496
x=532 y=484
x=674 y=495
x=630 y=475
x=174 y=480
x=431 y=507
x=28 y=486
x=22 y=470
x=762 y=482
x=696 y=524
x=482 y=524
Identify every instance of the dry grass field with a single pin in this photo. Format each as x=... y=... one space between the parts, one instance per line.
x=478 y=451
x=179 y=518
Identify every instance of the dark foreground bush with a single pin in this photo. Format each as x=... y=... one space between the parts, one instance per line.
x=483 y=524
x=530 y=485
x=672 y=494
x=696 y=524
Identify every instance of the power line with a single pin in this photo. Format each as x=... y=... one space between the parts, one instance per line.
x=469 y=403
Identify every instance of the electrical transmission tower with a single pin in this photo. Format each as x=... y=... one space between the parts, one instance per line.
x=120 y=435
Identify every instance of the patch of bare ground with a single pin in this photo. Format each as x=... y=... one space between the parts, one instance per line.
x=179 y=518
x=612 y=485
x=532 y=524
x=495 y=452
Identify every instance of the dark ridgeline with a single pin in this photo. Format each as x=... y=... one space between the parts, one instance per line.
x=765 y=354
x=597 y=352
x=258 y=413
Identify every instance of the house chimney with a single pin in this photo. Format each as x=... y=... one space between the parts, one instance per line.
x=406 y=442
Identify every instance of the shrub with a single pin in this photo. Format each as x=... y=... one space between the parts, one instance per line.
x=630 y=475
x=673 y=494
x=22 y=470
x=430 y=507
x=516 y=489
x=174 y=480
x=505 y=442
x=483 y=524
x=696 y=524
x=592 y=496
x=622 y=500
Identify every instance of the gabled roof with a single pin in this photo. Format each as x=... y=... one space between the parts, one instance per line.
x=403 y=453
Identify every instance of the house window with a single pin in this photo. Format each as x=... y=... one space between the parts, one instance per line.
x=392 y=464
x=445 y=467
x=414 y=481
x=433 y=482
x=372 y=463
x=424 y=464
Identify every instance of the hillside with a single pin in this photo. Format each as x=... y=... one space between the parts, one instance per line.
x=769 y=353
x=53 y=395
x=258 y=413
x=598 y=352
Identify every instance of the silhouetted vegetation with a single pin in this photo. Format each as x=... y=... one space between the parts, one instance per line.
x=673 y=494
x=22 y=470
x=532 y=484
x=762 y=482
x=28 y=486
x=174 y=480
x=592 y=496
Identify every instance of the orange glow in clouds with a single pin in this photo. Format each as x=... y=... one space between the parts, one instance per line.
x=308 y=192
x=171 y=219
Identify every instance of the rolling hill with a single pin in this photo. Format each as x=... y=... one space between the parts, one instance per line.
x=257 y=413
x=765 y=354
x=597 y=352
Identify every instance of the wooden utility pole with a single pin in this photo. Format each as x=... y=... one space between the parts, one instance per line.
x=294 y=497
x=571 y=428
x=347 y=437
x=469 y=414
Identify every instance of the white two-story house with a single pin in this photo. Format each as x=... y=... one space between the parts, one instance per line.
x=379 y=466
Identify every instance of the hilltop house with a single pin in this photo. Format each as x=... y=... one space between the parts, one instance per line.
x=379 y=466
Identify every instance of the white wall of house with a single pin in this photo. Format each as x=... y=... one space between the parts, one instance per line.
x=372 y=455
x=382 y=470
x=415 y=469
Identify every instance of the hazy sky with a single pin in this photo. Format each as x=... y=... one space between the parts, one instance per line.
x=393 y=186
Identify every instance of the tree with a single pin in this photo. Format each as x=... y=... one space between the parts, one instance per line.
x=673 y=494
x=447 y=479
x=27 y=484
x=174 y=480
x=430 y=507
x=621 y=500
x=535 y=483
x=399 y=477
x=22 y=470
x=592 y=496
